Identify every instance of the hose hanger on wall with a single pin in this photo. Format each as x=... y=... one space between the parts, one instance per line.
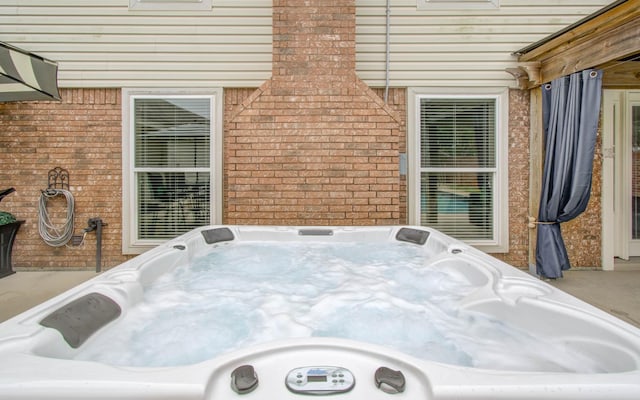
x=56 y=234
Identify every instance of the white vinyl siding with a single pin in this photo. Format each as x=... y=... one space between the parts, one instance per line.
x=461 y=47
x=175 y=5
x=170 y=164
x=457 y=4
x=457 y=164
x=105 y=44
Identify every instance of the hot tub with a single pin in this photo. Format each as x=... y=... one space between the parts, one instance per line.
x=234 y=312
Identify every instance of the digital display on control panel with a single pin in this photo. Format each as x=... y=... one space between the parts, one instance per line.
x=320 y=380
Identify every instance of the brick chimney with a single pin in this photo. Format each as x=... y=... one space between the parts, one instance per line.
x=314 y=41
x=313 y=145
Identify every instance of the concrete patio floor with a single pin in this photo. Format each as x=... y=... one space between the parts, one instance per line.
x=26 y=289
x=616 y=292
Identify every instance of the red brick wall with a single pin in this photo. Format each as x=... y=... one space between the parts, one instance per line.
x=82 y=134
x=278 y=180
x=312 y=39
x=518 y=169
x=314 y=145
x=331 y=165
x=583 y=235
x=397 y=100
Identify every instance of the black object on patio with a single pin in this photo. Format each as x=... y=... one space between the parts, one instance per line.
x=8 y=229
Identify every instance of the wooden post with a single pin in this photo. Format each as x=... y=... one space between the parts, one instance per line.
x=536 y=161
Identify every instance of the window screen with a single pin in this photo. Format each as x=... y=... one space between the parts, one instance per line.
x=458 y=166
x=172 y=142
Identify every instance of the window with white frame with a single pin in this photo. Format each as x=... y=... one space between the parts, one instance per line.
x=457 y=4
x=170 y=5
x=169 y=165
x=459 y=158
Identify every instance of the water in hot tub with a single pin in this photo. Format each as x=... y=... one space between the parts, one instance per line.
x=247 y=293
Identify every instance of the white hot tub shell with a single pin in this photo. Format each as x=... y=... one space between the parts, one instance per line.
x=38 y=347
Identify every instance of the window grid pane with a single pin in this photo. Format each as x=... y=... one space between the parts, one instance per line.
x=171 y=203
x=458 y=204
x=172 y=161
x=457 y=133
x=172 y=132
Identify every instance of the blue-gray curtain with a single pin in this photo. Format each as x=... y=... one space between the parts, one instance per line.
x=570 y=112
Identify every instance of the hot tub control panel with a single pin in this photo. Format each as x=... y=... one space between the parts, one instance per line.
x=320 y=380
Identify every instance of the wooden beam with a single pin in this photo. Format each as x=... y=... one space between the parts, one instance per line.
x=536 y=161
x=526 y=74
x=612 y=45
x=609 y=37
x=621 y=75
x=616 y=16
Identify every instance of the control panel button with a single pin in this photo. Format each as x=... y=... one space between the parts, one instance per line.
x=389 y=381
x=320 y=380
x=244 y=379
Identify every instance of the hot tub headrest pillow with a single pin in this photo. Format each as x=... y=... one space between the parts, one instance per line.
x=216 y=235
x=81 y=318
x=415 y=236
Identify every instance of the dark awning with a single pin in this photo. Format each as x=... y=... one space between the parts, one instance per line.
x=26 y=76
